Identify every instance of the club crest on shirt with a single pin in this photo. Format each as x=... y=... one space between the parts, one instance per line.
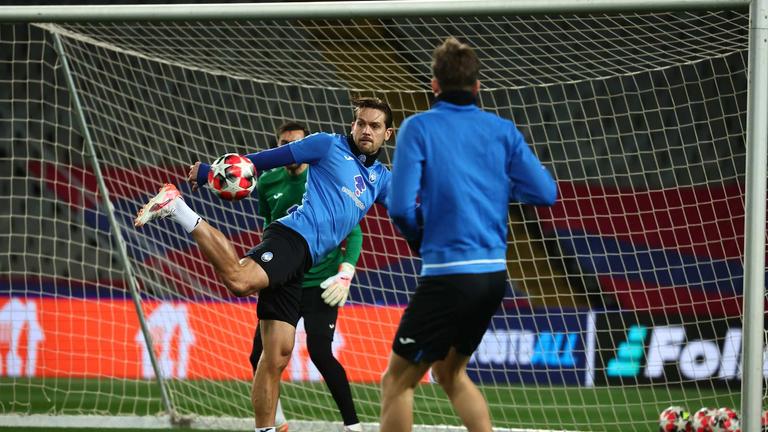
x=372 y=177
x=266 y=257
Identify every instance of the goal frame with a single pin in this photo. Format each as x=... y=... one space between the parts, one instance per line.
x=756 y=129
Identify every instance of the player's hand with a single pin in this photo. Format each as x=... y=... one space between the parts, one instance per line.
x=192 y=176
x=336 y=288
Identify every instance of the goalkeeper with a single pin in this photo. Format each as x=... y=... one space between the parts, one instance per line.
x=344 y=181
x=455 y=171
x=323 y=290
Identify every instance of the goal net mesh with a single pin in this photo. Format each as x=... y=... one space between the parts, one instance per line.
x=623 y=298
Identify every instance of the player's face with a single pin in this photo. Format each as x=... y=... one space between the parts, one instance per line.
x=289 y=137
x=369 y=130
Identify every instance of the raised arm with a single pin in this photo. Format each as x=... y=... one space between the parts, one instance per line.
x=307 y=150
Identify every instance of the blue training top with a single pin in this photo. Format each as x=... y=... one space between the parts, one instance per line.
x=456 y=168
x=340 y=189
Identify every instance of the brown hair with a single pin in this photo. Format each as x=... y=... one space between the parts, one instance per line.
x=290 y=126
x=374 y=103
x=455 y=65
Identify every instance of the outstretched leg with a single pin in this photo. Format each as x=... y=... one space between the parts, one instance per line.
x=241 y=277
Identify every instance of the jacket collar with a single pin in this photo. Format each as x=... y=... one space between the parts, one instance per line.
x=457 y=97
x=365 y=159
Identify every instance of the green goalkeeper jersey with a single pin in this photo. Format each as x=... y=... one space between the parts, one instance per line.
x=280 y=194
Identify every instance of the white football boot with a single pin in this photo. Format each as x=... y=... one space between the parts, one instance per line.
x=161 y=206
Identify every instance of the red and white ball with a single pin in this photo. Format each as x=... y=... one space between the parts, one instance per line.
x=674 y=419
x=703 y=420
x=232 y=177
x=727 y=420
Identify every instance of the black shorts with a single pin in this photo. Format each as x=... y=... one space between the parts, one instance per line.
x=284 y=256
x=319 y=320
x=448 y=311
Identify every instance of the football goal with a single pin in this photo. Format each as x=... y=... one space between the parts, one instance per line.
x=640 y=289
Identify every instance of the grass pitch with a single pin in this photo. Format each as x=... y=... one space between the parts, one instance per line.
x=629 y=408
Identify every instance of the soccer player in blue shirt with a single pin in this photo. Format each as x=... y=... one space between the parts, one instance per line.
x=281 y=191
x=455 y=170
x=344 y=181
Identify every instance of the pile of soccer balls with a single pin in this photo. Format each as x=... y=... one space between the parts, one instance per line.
x=678 y=419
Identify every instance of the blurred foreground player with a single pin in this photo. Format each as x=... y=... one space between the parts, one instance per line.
x=456 y=168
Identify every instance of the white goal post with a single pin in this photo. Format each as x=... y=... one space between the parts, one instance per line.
x=638 y=107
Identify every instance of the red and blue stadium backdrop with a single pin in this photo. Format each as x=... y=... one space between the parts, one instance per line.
x=672 y=251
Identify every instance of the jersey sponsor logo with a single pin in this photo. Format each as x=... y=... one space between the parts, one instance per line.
x=266 y=257
x=361 y=158
x=406 y=341
x=359 y=185
x=372 y=177
x=330 y=326
x=277 y=195
x=351 y=194
x=348 y=157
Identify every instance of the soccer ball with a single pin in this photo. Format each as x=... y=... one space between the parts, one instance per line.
x=674 y=419
x=727 y=420
x=232 y=176
x=703 y=420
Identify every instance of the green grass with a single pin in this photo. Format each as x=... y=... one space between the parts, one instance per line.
x=628 y=408
x=25 y=429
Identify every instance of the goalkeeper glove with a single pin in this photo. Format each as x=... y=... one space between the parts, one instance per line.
x=337 y=287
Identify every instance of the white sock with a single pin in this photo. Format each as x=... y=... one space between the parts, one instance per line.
x=266 y=429
x=357 y=427
x=279 y=416
x=185 y=216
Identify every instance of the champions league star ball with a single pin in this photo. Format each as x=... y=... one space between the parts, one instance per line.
x=232 y=177
x=674 y=419
x=703 y=420
x=727 y=420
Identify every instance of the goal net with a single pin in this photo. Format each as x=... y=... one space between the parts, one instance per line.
x=623 y=298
